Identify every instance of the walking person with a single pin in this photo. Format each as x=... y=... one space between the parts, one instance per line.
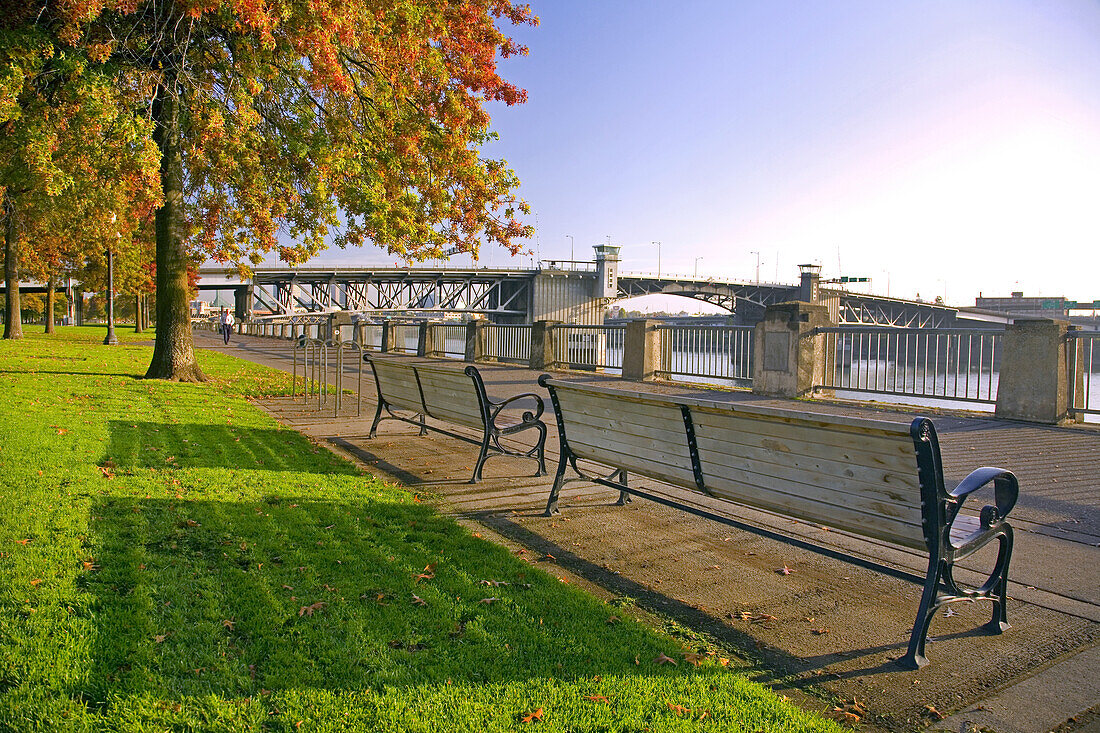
x=227 y=324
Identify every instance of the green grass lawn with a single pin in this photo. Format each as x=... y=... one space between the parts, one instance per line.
x=173 y=559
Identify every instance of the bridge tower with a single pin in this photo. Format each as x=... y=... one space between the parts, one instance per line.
x=607 y=272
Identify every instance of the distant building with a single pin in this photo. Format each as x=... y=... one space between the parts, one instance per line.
x=1018 y=305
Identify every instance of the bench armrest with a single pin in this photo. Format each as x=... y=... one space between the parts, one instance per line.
x=528 y=416
x=1005 y=490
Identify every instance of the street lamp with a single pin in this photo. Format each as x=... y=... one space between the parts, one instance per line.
x=571 y=244
x=757 y=266
x=697 y=267
x=658 y=259
x=110 y=339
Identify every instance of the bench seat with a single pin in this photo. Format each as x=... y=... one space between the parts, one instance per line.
x=877 y=479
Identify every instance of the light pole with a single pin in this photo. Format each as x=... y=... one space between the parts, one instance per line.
x=697 y=267
x=571 y=245
x=658 y=259
x=110 y=339
x=757 y=266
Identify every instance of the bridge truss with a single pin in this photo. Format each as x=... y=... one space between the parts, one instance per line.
x=489 y=292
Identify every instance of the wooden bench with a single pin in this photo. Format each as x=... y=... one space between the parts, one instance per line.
x=872 y=478
x=457 y=397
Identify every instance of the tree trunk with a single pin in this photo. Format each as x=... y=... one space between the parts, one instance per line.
x=174 y=349
x=13 y=319
x=51 y=301
x=138 y=325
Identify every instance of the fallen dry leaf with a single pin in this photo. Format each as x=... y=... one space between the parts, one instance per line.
x=706 y=714
x=488 y=601
x=785 y=570
x=663 y=659
x=597 y=698
x=820 y=631
x=933 y=713
x=531 y=717
x=418 y=601
x=613 y=620
x=694 y=659
x=159 y=638
x=308 y=610
x=679 y=709
x=229 y=623
x=36 y=582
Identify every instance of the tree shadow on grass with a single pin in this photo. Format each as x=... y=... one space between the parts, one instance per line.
x=139 y=444
x=232 y=599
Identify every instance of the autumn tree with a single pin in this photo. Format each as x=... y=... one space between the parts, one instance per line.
x=77 y=168
x=287 y=125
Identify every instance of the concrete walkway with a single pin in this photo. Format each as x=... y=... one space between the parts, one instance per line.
x=832 y=627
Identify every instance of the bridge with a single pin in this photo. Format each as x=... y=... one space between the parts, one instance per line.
x=566 y=291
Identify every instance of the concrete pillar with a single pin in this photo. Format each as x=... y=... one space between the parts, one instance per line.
x=358 y=332
x=789 y=357
x=389 y=336
x=641 y=350
x=542 y=345
x=425 y=339
x=475 y=340
x=1034 y=377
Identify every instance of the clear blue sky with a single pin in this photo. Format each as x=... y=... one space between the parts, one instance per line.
x=933 y=146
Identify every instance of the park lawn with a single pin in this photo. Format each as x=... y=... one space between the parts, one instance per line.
x=171 y=558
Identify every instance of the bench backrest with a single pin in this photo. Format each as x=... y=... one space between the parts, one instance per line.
x=452 y=396
x=397 y=384
x=444 y=394
x=847 y=473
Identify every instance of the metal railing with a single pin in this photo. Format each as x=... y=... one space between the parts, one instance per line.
x=710 y=352
x=588 y=347
x=508 y=342
x=449 y=340
x=1083 y=361
x=936 y=363
x=371 y=335
x=406 y=337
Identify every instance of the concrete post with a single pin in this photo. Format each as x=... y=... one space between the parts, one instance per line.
x=1034 y=378
x=389 y=336
x=542 y=345
x=641 y=350
x=425 y=339
x=357 y=335
x=789 y=357
x=475 y=340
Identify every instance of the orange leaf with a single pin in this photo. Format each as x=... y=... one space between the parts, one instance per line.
x=308 y=610
x=679 y=709
x=488 y=601
x=694 y=659
x=20 y=542
x=531 y=717
x=663 y=659
x=785 y=570
x=36 y=582
x=598 y=698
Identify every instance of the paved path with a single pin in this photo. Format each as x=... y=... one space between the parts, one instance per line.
x=703 y=575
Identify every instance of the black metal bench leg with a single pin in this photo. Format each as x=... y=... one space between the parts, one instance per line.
x=481 y=458
x=377 y=419
x=559 y=479
x=423 y=424
x=624 y=497
x=541 y=449
x=914 y=658
x=999 y=591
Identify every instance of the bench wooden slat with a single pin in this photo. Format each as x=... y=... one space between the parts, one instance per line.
x=631 y=462
x=645 y=451
x=890 y=529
